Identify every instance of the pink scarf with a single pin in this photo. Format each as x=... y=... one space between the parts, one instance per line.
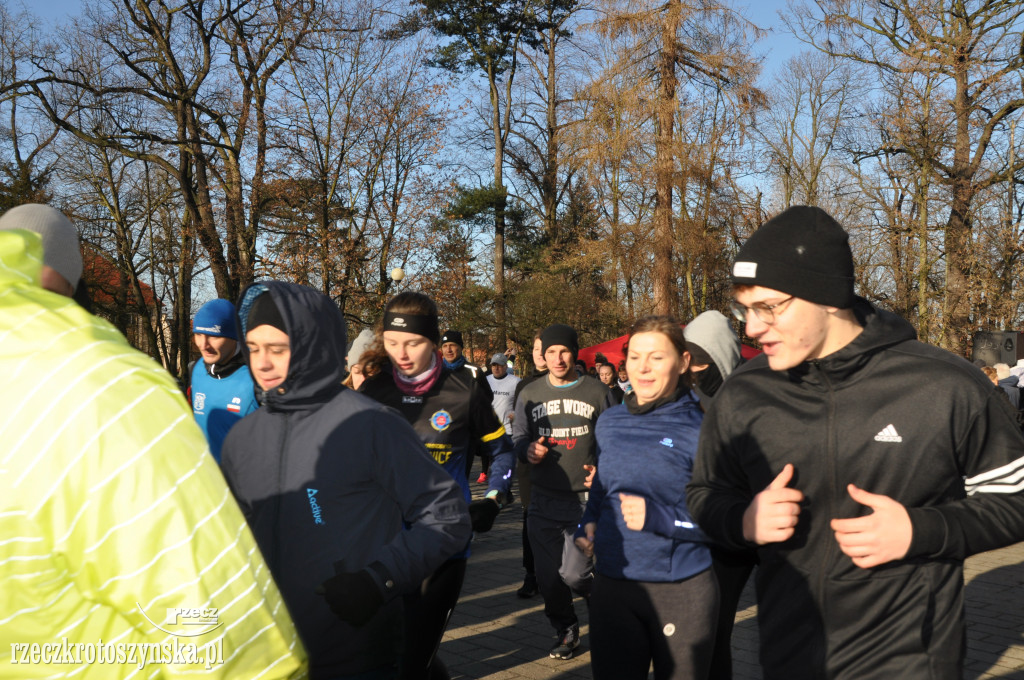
x=419 y=385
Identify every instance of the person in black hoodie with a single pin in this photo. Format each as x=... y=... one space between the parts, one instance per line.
x=865 y=466
x=326 y=478
x=715 y=354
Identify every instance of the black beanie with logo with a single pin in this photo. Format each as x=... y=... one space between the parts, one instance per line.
x=801 y=251
x=451 y=335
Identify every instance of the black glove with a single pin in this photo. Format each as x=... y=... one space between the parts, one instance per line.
x=482 y=514
x=352 y=596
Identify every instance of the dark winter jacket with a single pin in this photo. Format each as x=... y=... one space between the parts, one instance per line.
x=895 y=417
x=647 y=454
x=326 y=478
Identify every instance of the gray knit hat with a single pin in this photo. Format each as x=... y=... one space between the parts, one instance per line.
x=712 y=332
x=60 y=239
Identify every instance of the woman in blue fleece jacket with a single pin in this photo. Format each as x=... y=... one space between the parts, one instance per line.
x=654 y=597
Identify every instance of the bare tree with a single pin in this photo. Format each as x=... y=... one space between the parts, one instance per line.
x=685 y=45
x=153 y=80
x=979 y=61
x=360 y=125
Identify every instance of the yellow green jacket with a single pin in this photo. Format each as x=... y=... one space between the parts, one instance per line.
x=120 y=544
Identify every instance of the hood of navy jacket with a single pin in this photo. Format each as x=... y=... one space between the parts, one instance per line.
x=317 y=338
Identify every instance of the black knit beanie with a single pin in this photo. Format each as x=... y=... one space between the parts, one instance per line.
x=801 y=251
x=452 y=336
x=264 y=311
x=560 y=334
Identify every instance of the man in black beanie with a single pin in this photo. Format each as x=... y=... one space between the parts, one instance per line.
x=553 y=432
x=451 y=349
x=864 y=466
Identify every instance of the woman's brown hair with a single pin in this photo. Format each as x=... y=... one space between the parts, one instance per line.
x=412 y=302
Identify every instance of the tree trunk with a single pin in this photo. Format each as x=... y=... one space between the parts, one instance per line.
x=958 y=227
x=499 y=212
x=664 y=165
x=550 y=181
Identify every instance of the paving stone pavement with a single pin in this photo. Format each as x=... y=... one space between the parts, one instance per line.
x=494 y=635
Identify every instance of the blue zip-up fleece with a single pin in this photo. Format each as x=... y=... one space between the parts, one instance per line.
x=651 y=455
x=326 y=477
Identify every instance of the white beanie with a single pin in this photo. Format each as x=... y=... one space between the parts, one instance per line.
x=60 y=239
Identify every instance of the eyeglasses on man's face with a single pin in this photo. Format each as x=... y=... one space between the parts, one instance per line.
x=766 y=313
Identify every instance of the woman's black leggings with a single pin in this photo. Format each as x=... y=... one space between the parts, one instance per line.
x=672 y=624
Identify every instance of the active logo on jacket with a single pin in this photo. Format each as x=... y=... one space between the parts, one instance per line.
x=199 y=403
x=236 y=405
x=315 y=507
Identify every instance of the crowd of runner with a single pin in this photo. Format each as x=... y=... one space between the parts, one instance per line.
x=854 y=465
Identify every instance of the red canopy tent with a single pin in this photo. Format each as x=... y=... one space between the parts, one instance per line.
x=615 y=351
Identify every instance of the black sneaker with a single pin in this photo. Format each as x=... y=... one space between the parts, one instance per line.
x=568 y=641
x=529 y=587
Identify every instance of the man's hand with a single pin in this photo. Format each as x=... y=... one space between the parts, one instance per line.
x=586 y=544
x=878 y=538
x=536 y=451
x=634 y=511
x=591 y=471
x=772 y=516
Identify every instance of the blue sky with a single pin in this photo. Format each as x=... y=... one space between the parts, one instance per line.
x=777 y=44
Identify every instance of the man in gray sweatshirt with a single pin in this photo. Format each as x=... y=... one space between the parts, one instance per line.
x=553 y=432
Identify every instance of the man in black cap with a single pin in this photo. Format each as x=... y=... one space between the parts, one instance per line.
x=553 y=431
x=451 y=349
x=864 y=466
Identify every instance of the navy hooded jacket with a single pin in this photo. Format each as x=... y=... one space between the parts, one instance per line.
x=326 y=478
